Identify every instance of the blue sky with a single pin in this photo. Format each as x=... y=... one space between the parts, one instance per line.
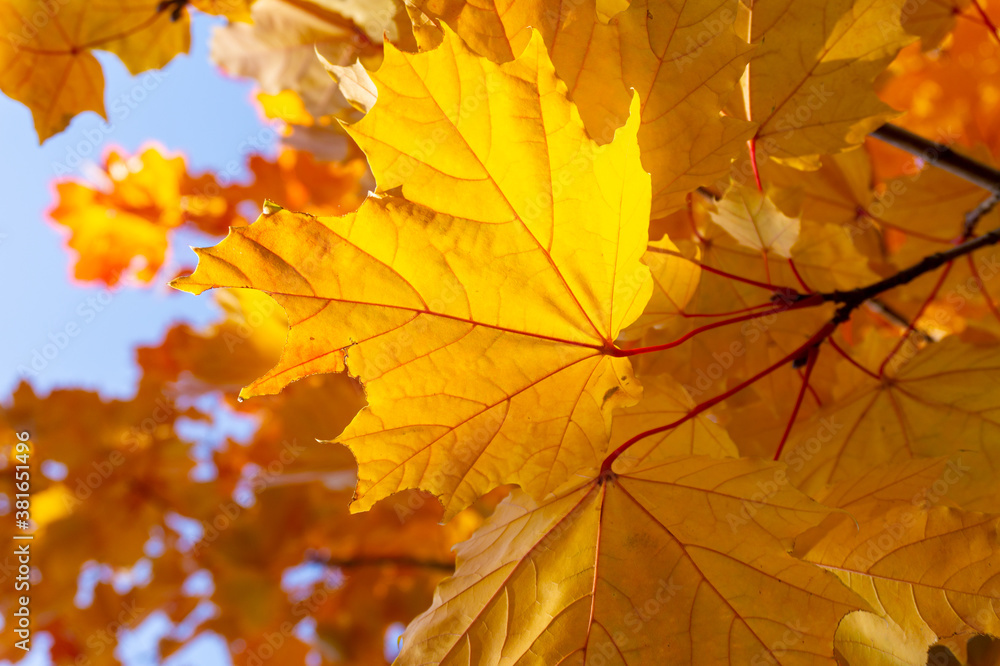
x=192 y=108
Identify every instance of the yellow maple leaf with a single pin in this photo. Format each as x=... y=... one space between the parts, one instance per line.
x=126 y=218
x=931 y=569
x=354 y=83
x=684 y=59
x=929 y=207
x=927 y=403
x=714 y=359
x=750 y=216
x=554 y=581
x=840 y=193
x=810 y=83
x=286 y=106
x=837 y=193
x=718 y=296
x=46 y=61
x=514 y=257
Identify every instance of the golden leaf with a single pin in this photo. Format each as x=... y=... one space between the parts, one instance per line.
x=492 y=265
x=555 y=581
x=46 y=61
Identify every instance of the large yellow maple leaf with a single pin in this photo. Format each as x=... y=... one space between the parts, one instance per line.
x=480 y=308
x=555 y=582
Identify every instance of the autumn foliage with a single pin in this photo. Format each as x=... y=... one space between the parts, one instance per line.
x=680 y=318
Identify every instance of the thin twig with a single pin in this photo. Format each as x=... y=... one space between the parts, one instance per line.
x=911 y=326
x=811 y=354
x=979 y=212
x=883 y=309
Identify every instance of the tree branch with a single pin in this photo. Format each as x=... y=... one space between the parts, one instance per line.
x=398 y=561
x=849 y=300
x=941 y=156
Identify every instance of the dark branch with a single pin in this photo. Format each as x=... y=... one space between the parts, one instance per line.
x=941 y=156
x=850 y=300
x=402 y=561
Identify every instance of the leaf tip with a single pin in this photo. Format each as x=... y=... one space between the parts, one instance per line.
x=634 y=113
x=184 y=283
